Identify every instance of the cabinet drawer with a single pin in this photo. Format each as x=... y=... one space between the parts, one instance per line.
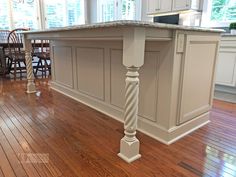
x=228 y=42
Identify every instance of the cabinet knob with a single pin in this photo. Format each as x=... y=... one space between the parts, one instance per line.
x=157 y=9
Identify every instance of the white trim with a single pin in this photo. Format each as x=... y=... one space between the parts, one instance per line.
x=127 y=159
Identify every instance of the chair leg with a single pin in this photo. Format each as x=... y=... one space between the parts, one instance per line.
x=45 y=68
x=9 y=64
x=41 y=65
x=14 y=70
x=37 y=67
x=19 y=65
x=48 y=68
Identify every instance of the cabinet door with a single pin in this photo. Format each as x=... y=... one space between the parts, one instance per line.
x=197 y=81
x=158 y=6
x=226 y=68
x=153 y=6
x=165 y=5
x=181 y=5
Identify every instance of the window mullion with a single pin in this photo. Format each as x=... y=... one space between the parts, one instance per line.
x=39 y=15
x=118 y=10
x=65 y=16
x=10 y=10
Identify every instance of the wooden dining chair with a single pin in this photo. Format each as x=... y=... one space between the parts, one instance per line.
x=16 y=52
x=3 y=50
x=41 y=50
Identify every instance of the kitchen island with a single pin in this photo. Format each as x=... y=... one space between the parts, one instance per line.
x=156 y=78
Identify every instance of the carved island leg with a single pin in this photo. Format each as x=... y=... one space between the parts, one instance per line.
x=129 y=144
x=133 y=59
x=29 y=67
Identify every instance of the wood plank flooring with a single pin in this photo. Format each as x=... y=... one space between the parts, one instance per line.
x=49 y=135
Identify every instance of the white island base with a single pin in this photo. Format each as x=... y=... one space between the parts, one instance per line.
x=158 y=78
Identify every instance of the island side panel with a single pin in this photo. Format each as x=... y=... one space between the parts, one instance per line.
x=196 y=56
x=160 y=79
x=198 y=76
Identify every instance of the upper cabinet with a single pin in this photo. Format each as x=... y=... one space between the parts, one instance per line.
x=163 y=6
x=158 y=6
x=185 y=5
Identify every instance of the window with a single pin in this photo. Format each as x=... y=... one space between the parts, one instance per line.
x=22 y=16
x=106 y=10
x=110 y=10
x=54 y=11
x=75 y=12
x=128 y=9
x=218 y=13
x=37 y=14
x=64 y=13
x=223 y=10
x=4 y=14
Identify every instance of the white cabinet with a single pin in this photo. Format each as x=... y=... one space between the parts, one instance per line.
x=158 y=6
x=226 y=66
x=185 y=5
x=180 y=4
x=165 y=6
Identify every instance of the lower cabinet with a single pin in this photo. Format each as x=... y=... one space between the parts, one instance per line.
x=226 y=65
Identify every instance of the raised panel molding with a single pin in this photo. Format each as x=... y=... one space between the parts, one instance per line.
x=148 y=83
x=198 y=79
x=148 y=75
x=91 y=71
x=63 y=61
x=117 y=79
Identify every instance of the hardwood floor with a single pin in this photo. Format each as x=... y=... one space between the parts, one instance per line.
x=47 y=134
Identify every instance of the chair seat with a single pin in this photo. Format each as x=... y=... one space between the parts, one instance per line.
x=42 y=55
x=18 y=56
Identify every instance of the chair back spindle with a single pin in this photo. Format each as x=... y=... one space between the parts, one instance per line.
x=16 y=51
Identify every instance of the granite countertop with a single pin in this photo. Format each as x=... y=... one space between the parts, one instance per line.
x=228 y=34
x=127 y=23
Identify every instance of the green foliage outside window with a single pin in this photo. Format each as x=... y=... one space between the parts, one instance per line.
x=223 y=10
x=232 y=26
x=128 y=9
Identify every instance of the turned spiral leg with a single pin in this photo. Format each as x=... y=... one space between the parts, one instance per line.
x=129 y=145
x=29 y=67
x=131 y=103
